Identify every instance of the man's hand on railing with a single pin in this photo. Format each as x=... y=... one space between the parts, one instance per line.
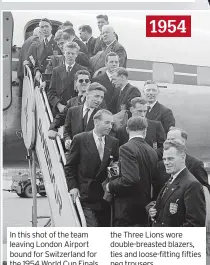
x=53 y=134
x=42 y=85
x=67 y=144
x=61 y=107
x=74 y=193
x=38 y=75
x=25 y=63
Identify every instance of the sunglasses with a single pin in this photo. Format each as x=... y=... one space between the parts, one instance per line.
x=84 y=80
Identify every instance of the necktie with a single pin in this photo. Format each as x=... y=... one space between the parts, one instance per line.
x=46 y=41
x=100 y=148
x=167 y=186
x=148 y=109
x=69 y=69
x=85 y=118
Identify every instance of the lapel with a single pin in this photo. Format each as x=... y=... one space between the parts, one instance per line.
x=90 y=124
x=122 y=95
x=173 y=187
x=91 y=147
x=154 y=111
x=107 y=153
x=62 y=72
x=45 y=50
x=79 y=119
x=41 y=51
x=150 y=132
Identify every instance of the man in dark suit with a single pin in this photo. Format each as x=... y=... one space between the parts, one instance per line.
x=73 y=38
x=112 y=45
x=155 y=135
x=39 y=55
x=181 y=201
x=157 y=111
x=86 y=168
x=111 y=97
x=80 y=118
x=85 y=32
x=62 y=80
x=132 y=189
x=127 y=91
x=195 y=166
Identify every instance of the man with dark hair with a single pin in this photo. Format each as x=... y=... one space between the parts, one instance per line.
x=62 y=80
x=155 y=135
x=195 y=166
x=181 y=201
x=73 y=38
x=111 y=97
x=127 y=91
x=80 y=119
x=132 y=189
x=157 y=111
x=39 y=54
x=85 y=32
x=86 y=168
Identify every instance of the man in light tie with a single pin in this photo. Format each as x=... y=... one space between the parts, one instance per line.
x=86 y=168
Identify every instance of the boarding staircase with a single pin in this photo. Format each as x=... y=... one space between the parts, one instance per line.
x=36 y=117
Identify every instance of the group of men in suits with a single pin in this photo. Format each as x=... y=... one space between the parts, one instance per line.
x=88 y=111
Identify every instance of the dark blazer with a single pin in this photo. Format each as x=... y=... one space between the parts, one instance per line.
x=74 y=122
x=91 y=46
x=155 y=136
x=84 y=169
x=112 y=94
x=183 y=204
x=62 y=85
x=132 y=189
x=162 y=114
x=129 y=92
x=195 y=167
x=41 y=53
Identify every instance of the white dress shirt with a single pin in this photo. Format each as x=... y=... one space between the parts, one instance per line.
x=48 y=38
x=151 y=105
x=175 y=175
x=67 y=65
x=134 y=136
x=97 y=141
x=109 y=75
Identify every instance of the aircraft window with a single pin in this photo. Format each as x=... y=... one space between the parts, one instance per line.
x=163 y=72
x=203 y=76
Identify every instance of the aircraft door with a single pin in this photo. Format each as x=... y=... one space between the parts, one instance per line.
x=7 y=58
